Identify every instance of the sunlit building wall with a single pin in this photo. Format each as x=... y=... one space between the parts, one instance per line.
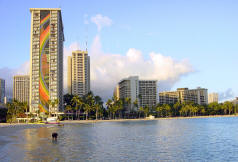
x=197 y=96
x=79 y=73
x=212 y=97
x=46 y=72
x=21 y=88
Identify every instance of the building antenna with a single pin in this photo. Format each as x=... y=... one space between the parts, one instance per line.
x=86 y=37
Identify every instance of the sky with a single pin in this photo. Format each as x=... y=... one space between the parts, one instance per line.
x=180 y=43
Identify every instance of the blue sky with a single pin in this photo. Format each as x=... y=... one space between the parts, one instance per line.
x=205 y=32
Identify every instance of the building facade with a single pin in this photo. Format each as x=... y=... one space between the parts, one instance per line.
x=129 y=89
x=142 y=91
x=2 y=90
x=212 y=97
x=197 y=96
x=116 y=92
x=168 y=97
x=46 y=73
x=21 y=88
x=147 y=93
x=79 y=73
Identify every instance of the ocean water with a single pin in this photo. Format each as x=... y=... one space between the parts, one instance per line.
x=200 y=139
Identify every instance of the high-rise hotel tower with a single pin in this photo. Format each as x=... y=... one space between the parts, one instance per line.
x=46 y=74
x=79 y=73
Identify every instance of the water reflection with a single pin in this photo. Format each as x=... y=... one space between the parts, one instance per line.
x=38 y=144
x=213 y=139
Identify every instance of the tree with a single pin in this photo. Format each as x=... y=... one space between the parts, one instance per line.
x=25 y=106
x=109 y=106
x=227 y=106
x=135 y=104
x=98 y=105
x=68 y=109
x=76 y=101
x=128 y=102
x=146 y=110
x=141 y=110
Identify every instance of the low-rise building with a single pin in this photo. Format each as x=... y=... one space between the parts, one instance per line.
x=197 y=96
x=212 y=97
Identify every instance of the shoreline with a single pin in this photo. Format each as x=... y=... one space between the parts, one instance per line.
x=143 y=119
x=3 y=125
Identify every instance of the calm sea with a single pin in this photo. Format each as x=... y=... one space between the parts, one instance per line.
x=204 y=139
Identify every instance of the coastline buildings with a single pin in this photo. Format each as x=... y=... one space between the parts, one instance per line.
x=21 y=88
x=197 y=96
x=2 y=90
x=212 y=97
x=142 y=91
x=147 y=93
x=116 y=92
x=129 y=89
x=79 y=73
x=46 y=66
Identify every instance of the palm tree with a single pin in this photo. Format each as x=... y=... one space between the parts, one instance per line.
x=68 y=109
x=52 y=104
x=135 y=103
x=140 y=111
x=87 y=109
x=75 y=100
x=98 y=105
x=109 y=105
x=146 y=110
x=128 y=101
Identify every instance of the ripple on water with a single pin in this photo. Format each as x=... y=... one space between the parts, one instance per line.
x=203 y=139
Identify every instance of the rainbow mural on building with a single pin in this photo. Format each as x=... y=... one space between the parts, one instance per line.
x=44 y=61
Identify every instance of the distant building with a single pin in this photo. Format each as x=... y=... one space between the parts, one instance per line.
x=142 y=91
x=5 y=100
x=235 y=101
x=46 y=66
x=212 y=97
x=2 y=90
x=69 y=75
x=168 y=97
x=21 y=88
x=79 y=73
x=147 y=93
x=129 y=89
x=116 y=92
x=197 y=96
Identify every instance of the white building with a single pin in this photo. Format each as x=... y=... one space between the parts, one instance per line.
x=129 y=89
x=21 y=88
x=142 y=91
x=147 y=93
x=212 y=97
x=79 y=73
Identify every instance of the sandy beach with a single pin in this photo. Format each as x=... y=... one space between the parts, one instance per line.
x=112 y=120
x=143 y=119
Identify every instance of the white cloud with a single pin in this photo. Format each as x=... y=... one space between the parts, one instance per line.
x=108 y=69
x=226 y=95
x=101 y=21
